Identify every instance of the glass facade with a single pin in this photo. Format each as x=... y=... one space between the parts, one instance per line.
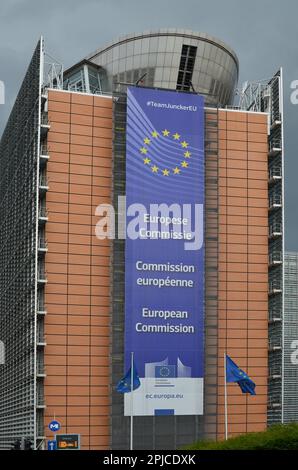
x=290 y=373
x=173 y=59
x=85 y=78
x=20 y=390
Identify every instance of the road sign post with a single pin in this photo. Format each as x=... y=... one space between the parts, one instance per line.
x=54 y=426
x=52 y=445
x=68 y=441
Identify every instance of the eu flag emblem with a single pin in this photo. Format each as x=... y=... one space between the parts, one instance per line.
x=235 y=374
x=124 y=386
x=163 y=144
x=165 y=372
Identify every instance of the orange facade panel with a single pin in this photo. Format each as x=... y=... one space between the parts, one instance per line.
x=243 y=265
x=77 y=265
x=77 y=325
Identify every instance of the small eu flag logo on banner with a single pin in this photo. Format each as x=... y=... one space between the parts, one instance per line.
x=165 y=372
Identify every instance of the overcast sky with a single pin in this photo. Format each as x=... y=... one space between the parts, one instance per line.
x=264 y=34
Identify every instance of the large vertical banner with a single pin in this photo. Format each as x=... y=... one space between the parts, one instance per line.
x=164 y=253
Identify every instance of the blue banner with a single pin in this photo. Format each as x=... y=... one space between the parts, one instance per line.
x=164 y=251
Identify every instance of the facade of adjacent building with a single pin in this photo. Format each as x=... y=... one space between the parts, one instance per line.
x=290 y=339
x=62 y=289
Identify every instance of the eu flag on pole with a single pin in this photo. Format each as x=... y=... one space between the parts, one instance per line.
x=235 y=374
x=124 y=386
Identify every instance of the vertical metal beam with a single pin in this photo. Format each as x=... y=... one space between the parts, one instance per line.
x=283 y=239
x=41 y=70
x=86 y=79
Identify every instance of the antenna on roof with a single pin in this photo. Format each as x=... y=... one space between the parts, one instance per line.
x=192 y=87
x=140 y=80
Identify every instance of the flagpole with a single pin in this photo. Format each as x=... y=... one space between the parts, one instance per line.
x=131 y=402
x=226 y=397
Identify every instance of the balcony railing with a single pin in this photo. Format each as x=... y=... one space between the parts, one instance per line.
x=41 y=275
x=40 y=369
x=44 y=150
x=275 y=372
x=275 y=258
x=274 y=403
x=44 y=125
x=40 y=337
x=43 y=214
x=40 y=403
x=275 y=174
x=275 y=147
x=40 y=340
x=42 y=245
x=275 y=287
x=43 y=156
x=275 y=345
x=275 y=230
x=41 y=308
x=274 y=315
x=276 y=120
x=275 y=201
x=43 y=182
x=45 y=119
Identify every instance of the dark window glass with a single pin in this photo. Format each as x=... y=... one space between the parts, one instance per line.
x=187 y=62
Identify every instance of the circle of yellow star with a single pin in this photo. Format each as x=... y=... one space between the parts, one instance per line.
x=148 y=161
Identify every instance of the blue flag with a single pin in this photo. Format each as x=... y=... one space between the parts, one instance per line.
x=124 y=386
x=235 y=374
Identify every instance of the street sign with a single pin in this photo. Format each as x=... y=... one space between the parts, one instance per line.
x=54 y=426
x=68 y=441
x=52 y=445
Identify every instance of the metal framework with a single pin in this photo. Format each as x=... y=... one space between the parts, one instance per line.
x=22 y=198
x=266 y=96
x=53 y=72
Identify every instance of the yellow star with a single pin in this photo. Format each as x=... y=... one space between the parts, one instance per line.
x=154 y=168
x=146 y=161
x=154 y=134
x=184 y=144
x=184 y=164
x=165 y=172
x=166 y=133
x=143 y=150
x=147 y=141
x=187 y=154
x=176 y=171
x=176 y=136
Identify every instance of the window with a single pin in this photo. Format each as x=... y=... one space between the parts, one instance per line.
x=186 y=67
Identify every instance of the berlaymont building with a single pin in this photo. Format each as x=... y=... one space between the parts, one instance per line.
x=68 y=297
